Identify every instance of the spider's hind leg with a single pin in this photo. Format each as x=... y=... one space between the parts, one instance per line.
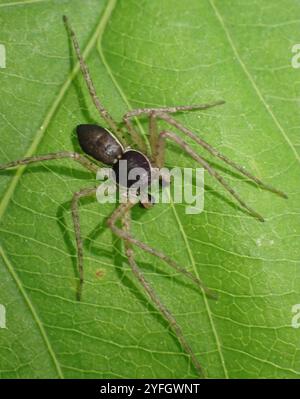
x=76 y=197
x=87 y=77
x=52 y=156
x=86 y=192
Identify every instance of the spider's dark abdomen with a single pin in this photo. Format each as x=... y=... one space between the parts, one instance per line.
x=135 y=159
x=99 y=143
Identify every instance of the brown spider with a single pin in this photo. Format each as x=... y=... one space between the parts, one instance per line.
x=100 y=144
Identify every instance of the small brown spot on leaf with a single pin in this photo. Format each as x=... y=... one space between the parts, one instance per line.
x=100 y=273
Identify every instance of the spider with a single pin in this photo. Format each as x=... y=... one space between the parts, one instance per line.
x=100 y=144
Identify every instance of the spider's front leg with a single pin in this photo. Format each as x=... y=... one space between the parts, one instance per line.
x=157 y=141
x=118 y=214
x=213 y=151
x=168 y=316
x=151 y=112
x=160 y=153
x=164 y=114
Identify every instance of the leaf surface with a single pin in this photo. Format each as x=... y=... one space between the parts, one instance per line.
x=142 y=54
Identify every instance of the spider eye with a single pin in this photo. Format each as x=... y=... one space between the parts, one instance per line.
x=99 y=143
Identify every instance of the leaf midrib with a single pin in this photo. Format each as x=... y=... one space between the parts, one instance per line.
x=33 y=147
x=96 y=40
x=54 y=106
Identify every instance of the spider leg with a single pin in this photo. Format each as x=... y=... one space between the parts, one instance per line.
x=85 y=72
x=153 y=136
x=76 y=197
x=170 y=110
x=52 y=156
x=135 y=135
x=173 y=122
x=183 y=144
x=86 y=192
x=152 y=113
x=111 y=222
x=149 y=111
x=168 y=316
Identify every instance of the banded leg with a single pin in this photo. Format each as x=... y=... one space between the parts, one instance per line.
x=149 y=111
x=184 y=145
x=87 y=77
x=165 y=312
x=52 y=156
x=123 y=209
x=174 y=123
x=86 y=192
x=170 y=110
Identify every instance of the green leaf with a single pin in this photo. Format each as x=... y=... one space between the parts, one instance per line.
x=150 y=53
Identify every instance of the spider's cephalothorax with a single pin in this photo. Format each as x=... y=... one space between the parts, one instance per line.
x=132 y=167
